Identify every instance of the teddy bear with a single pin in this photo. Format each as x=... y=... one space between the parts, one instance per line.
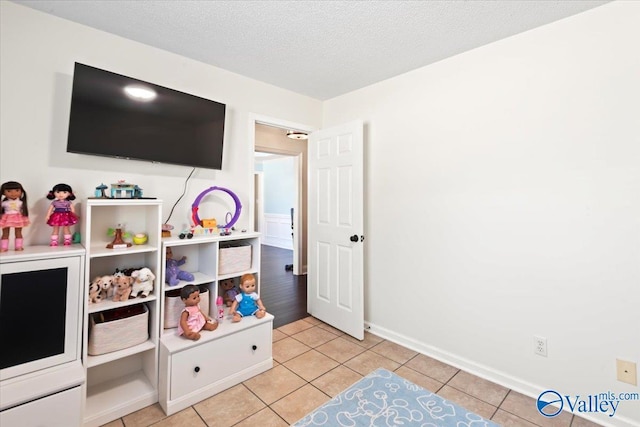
x=95 y=294
x=229 y=290
x=122 y=285
x=173 y=273
x=106 y=286
x=143 y=282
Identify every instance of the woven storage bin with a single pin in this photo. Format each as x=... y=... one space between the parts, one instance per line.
x=173 y=306
x=122 y=328
x=234 y=259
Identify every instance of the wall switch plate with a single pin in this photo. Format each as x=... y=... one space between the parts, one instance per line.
x=627 y=372
x=540 y=346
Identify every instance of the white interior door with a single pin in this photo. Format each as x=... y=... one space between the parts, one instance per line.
x=335 y=231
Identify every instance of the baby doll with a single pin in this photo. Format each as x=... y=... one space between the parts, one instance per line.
x=247 y=302
x=173 y=272
x=61 y=213
x=192 y=318
x=230 y=291
x=15 y=213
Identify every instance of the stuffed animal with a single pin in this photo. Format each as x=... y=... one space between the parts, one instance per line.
x=173 y=272
x=94 y=292
x=143 y=283
x=229 y=290
x=122 y=285
x=106 y=286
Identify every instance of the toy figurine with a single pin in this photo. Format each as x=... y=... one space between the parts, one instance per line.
x=173 y=272
x=192 y=318
x=61 y=213
x=143 y=282
x=230 y=291
x=247 y=302
x=15 y=213
x=118 y=238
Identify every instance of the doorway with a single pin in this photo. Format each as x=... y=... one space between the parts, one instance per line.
x=283 y=291
x=269 y=136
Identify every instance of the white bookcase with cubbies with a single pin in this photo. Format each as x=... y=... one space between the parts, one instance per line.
x=124 y=380
x=194 y=370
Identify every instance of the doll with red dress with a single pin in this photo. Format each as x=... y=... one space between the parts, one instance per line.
x=61 y=213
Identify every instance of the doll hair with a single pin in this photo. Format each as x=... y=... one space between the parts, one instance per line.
x=188 y=290
x=61 y=187
x=247 y=277
x=13 y=185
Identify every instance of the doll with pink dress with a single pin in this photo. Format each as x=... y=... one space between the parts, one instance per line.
x=15 y=214
x=192 y=318
x=61 y=213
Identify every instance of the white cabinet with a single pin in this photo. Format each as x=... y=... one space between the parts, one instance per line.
x=125 y=380
x=41 y=375
x=191 y=371
x=60 y=409
x=194 y=370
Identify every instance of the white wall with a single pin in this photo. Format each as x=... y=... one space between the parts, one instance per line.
x=38 y=52
x=503 y=201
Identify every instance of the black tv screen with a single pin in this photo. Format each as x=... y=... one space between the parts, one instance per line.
x=156 y=123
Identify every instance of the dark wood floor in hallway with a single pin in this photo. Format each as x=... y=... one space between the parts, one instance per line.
x=283 y=293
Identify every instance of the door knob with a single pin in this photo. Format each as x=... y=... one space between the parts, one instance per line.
x=354 y=238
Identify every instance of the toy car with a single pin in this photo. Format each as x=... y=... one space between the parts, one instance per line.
x=186 y=233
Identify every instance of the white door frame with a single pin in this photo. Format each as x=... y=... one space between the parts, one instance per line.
x=299 y=262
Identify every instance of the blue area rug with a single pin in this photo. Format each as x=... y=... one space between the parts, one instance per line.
x=384 y=399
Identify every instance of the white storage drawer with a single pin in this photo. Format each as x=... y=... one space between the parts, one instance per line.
x=211 y=361
x=60 y=409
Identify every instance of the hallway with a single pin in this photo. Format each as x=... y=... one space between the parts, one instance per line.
x=283 y=293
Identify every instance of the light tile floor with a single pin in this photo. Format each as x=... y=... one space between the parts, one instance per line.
x=314 y=362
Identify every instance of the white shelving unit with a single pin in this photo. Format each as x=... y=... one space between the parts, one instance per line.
x=123 y=381
x=202 y=260
x=194 y=370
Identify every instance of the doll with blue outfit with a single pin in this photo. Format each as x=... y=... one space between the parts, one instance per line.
x=247 y=302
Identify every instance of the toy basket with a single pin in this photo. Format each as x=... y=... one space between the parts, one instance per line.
x=233 y=259
x=173 y=306
x=118 y=328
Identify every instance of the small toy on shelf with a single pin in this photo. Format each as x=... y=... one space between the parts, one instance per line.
x=166 y=230
x=106 y=286
x=123 y=285
x=143 y=283
x=188 y=233
x=15 y=213
x=140 y=238
x=122 y=190
x=118 y=240
x=61 y=213
x=173 y=272
x=94 y=292
x=230 y=290
x=100 y=191
x=247 y=302
x=192 y=318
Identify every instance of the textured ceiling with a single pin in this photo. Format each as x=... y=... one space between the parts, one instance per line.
x=317 y=48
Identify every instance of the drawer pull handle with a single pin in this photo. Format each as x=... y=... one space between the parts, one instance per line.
x=197 y=369
x=254 y=347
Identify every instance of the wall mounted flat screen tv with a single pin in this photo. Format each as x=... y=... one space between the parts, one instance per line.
x=118 y=116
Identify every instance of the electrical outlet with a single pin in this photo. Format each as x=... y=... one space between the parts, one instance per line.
x=540 y=346
x=627 y=372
